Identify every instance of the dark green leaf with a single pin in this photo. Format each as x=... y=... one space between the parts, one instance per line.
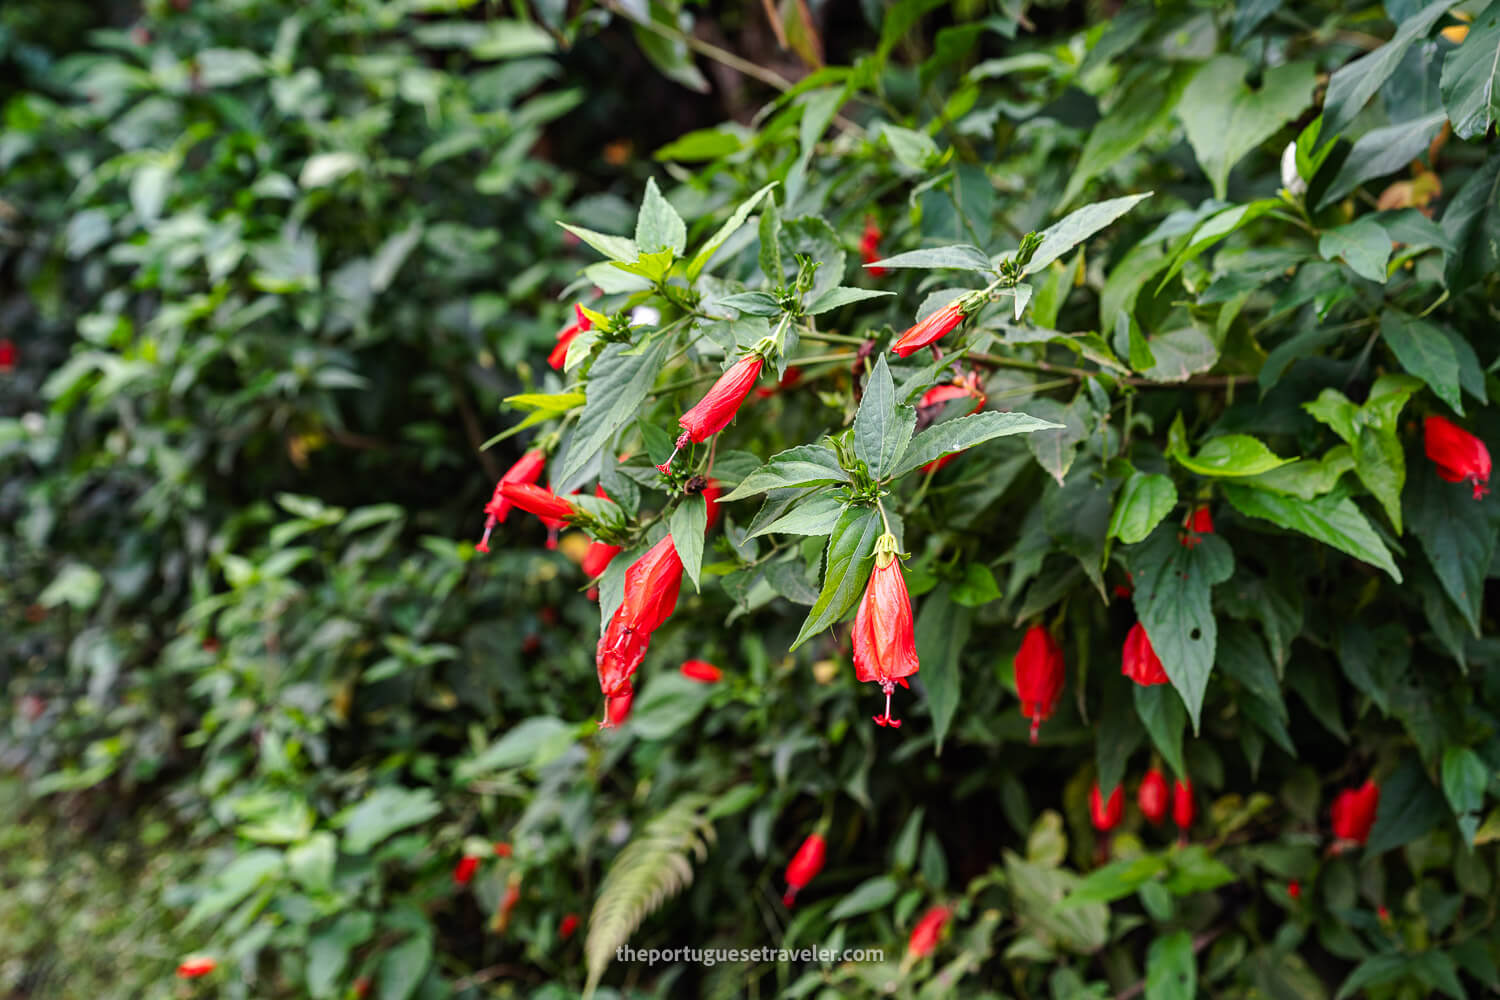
x=1172 y=968
x=1363 y=244
x=1144 y=500
x=1457 y=536
x=1074 y=228
x=851 y=553
x=843 y=296
x=882 y=429
x=619 y=382
x=964 y=432
x=942 y=630
x=1225 y=118
x=1332 y=520
x=804 y=465
x=1425 y=352
x=1471 y=73
x=688 y=522
x=1355 y=83
x=1409 y=807
x=1160 y=711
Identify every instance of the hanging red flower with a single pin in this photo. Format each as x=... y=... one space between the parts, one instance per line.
x=463 y=872
x=1354 y=813
x=869 y=247
x=931 y=329
x=925 y=935
x=1139 y=661
x=1457 y=454
x=719 y=405
x=1183 y=806
x=804 y=866
x=1152 y=797
x=1039 y=675
x=1106 y=815
x=540 y=501
x=885 y=645
x=528 y=469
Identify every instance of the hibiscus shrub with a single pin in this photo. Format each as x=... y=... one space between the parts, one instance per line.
x=1112 y=394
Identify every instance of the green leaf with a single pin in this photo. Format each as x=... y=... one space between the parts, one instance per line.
x=1212 y=229
x=871 y=894
x=1195 y=870
x=76 y=585
x=815 y=515
x=961 y=256
x=323 y=169
x=667 y=703
x=882 y=429
x=618 y=384
x=1465 y=778
x=842 y=296
x=401 y=968
x=1380 y=152
x=614 y=247
x=1173 y=589
x=804 y=465
x=670 y=55
x=1307 y=478
x=1055 y=450
x=1472 y=223
x=1457 y=536
x=942 y=629
x=1172 y=968
x=1232 y=455
x=1332 y=520
x=704 y=144
x=1363 y=244
x=657 y=225
x=687 y=524
x=1075 y=227
x=1377 y=970
x=728 y=229
x=1355 y=83
x=1225 y=118
x=965 y=432
x=1160 y=711
x=1409 y=807
x=382 y=813
x=977 y=588
x=1381 y=466
x=914 y=150
x=1424 y=351
x=1139 y=111
x=1115 y=880
x=851 y=553
x=328 y=951
x=1144 y=500
x=1470 y=75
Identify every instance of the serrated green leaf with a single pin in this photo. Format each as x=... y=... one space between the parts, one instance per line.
x=618 y=384
x=687 y=524
x=658 y=226
x=1352 y=86
x=851 y=553
x=1144 y=500
x=842 y=296
x=1225 y=118
x=965 y=432
x=804 y=465
x=1232 y=455
x=960 y=256
x=882 y=429
x=728 y=229
x=1425 y=352
x=1075 y=227
x=1332 y=520
x=614 y=247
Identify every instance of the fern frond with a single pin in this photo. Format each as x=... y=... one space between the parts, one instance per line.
x=653 y=867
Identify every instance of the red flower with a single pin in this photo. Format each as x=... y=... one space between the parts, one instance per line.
x=1458 y=454
x=528 y=469
x=719 y=405
x=869 y=247
x=885 y=645
x=540 y=501
x=559 y=355
x=1106 y=815
x=507 y=903
x=1198 y=522
x=617 y=710
x=464 y=870
x=924 y=936
x=789 y=378
x=7 y=355
x=502 y=850
x=1152 y=797
x=1140 y=662
x=1383 y=914
x=804 y=867
x=1294 y=889
x=568 y=926
x=598 y=557
x=196 y=965
x=651 y=586
x=1183 y=806
x=1039 y=675
x=933 y=328
x=711 y=494
x=1123 y=589
x=698 y=670
x=1354 y=813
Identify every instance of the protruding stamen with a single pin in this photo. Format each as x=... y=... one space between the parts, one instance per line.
x=885 y=720
x=483 y=545
x=1036 y=726
x=604 y=723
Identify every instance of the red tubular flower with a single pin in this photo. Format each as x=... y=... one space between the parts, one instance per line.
x=924 y=936
x=538 y=500
x=7 y=355
x=1139 y=661
x=1294 y=889
x=559 y=355
x=885 y=645
x=1152 y=797
x=1183 y=806
x=651 y=587
x=700 y=670
x=1039 y=675
x=719 y=405
x=1383 y=914
x=502 y=850
x=1106 y=815
x=464 y=870
x=1457 y=454
x=711 y=494
x=804 y=867
x=869 y=247
x=196 y=965
x=598 y=557
x=617 y=709
x=933 y=328
x=568 y=926
x=1199 y=522
x=1354 y=813
x=528 y=469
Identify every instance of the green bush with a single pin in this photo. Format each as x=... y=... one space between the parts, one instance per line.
x=1215 y=279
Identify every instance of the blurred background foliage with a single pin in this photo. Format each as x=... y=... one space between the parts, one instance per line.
x=269 y=271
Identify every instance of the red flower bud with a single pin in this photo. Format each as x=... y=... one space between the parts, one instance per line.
x=196 y=965
x=618 y=708
x=885 y=645
x=933 y=328
x=539 y=500
x=924 y=936
x=789 y=378
x=698 y=670
x=1458 y=454
x=1140 y=662
x=1183 y=806
x=1198 y=522
x=651 y=586
x=568 y=926
x=869 y=247
x=711 y=494
x=528 y=469
x=1039 y=675
x=1106 y=815
x=719 y=405
x=1383 y=914
x=1354 y=813
x=598 y=557
x=804 y=867
x=464 y=870
x=1294 y=889
x=7 y=355
x=502 y=850
x=559 y=355
x=1152 y=797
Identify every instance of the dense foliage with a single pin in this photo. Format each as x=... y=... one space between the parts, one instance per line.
x=1118 y=379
